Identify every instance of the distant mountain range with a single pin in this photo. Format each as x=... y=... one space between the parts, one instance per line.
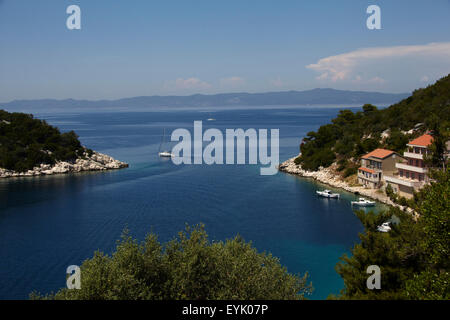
x=309 y=97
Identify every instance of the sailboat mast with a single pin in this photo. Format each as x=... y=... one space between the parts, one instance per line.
x=162 y=139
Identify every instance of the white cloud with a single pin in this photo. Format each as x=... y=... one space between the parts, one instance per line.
x=425 y=79
x=277 y=82
x=344 y=66
x=378 y=80
x=232 y=82
x=191 y=83
x=368 y=81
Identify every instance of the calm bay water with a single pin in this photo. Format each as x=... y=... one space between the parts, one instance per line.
x=49 y=223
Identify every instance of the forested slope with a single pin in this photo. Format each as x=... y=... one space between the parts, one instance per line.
x=352 y=134
x=26 y=142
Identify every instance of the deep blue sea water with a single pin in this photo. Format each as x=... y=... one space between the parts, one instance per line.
x=49 y=223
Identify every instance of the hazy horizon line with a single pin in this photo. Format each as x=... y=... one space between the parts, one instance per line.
x=204 y=94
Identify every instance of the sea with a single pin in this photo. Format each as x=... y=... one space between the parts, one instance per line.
x=48 y=223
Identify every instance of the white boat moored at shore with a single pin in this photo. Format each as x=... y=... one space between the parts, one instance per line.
x=362 y=202
x=385 y=227
x=328 y=194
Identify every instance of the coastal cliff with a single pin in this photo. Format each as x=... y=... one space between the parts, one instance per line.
x=94 y=162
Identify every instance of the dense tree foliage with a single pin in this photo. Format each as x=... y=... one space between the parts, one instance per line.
x=413 y=256
x=26 y=142
x=441 y=134
x=188 y=267
x=350 y=134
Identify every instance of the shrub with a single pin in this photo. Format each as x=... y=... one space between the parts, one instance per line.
x=188 y=267
x=390 y=193
x=350 y=171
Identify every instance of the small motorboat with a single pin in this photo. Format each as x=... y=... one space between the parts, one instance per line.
x=362 y=202
x=165 y=154
x=384 y=227
x=328 y=194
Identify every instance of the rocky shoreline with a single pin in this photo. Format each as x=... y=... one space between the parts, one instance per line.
x=95 y=162
x=327 y=176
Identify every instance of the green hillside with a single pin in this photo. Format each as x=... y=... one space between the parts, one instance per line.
x=351 y=135
x=26 y=142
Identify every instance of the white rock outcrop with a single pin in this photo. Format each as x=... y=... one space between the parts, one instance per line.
x=96 y=162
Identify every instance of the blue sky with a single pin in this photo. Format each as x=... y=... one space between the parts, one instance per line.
x=145 y=47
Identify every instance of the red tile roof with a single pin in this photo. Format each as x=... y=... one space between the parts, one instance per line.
x=366 y=169
x=378 y=153
x=423 y=141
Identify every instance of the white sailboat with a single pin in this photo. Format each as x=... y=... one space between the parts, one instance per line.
x=165 y=153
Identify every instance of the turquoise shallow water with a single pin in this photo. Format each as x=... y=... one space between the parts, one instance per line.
x=49 y=223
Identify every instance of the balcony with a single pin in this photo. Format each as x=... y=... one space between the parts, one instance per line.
x=405 y=166
x=404 y=182
x=413 y=155
x=369 y=178
x=375 y=168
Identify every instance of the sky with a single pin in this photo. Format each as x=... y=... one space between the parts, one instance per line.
x=149 y=47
